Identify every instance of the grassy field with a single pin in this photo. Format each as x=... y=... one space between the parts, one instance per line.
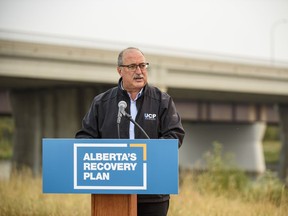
x=222 y=190
x=226 y=193
x=196 y=200
x=22 y=195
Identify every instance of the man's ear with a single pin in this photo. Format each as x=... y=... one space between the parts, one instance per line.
x=119 y=71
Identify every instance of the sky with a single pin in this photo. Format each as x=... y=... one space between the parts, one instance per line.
x=243 y=29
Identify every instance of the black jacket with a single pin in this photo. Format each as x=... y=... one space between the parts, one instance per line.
x=156 y=114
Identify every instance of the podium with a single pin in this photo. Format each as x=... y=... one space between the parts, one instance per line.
x=114 y=204
x=113 y=171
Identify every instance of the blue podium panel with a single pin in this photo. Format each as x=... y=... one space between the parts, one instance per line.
x=110 y=166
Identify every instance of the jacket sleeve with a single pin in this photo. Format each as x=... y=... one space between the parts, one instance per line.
x=89 y=124
x=170 y=121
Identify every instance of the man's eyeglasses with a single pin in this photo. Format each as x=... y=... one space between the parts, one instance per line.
x=133 y=67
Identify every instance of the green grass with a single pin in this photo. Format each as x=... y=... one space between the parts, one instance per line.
x=271 y=150
x=6 y=137
x=5 y=150
x=272 y=144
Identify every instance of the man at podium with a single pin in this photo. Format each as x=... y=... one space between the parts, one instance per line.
x=153 y=111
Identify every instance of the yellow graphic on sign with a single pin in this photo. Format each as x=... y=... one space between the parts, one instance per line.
x=144 y=149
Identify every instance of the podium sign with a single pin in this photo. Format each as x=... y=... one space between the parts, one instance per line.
x=110 y=166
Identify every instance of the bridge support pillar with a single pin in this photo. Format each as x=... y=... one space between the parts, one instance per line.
x=27 y=137
x=45 y=113
x=283 y=120
x=243 y=141
x=41 y=114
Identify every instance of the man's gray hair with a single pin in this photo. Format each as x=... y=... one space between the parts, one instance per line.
x=120 y=56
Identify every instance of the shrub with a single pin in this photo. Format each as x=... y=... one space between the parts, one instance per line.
x=221 y=176
x=267 y=187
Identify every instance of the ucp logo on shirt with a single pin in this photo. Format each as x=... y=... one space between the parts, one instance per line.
x=150 y=116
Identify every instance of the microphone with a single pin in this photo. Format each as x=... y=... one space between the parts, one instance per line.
x=121 y=111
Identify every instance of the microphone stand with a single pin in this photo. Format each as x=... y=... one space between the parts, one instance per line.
x=118 y=129
x=134 y=122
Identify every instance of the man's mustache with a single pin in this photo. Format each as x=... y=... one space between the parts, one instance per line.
x=138 y=77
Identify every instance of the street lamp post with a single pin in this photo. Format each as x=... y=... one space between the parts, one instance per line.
x=272 y=37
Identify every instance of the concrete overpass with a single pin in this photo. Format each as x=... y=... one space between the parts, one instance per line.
x=51 y=87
